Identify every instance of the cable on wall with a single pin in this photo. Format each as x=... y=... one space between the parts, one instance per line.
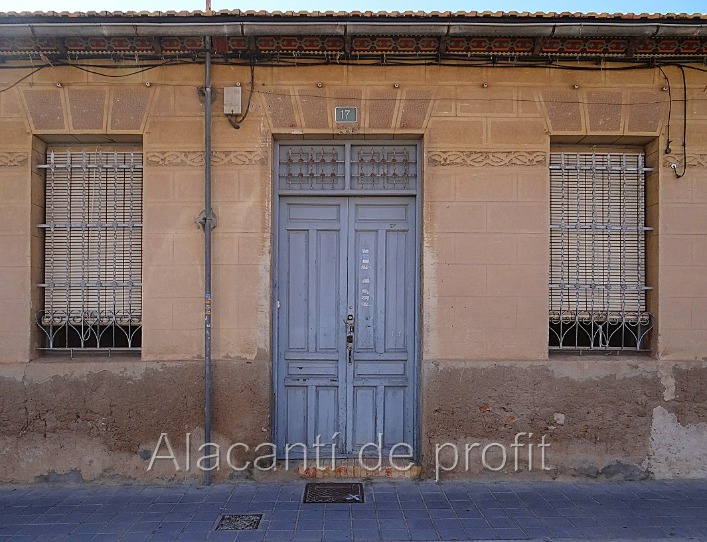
x=30 y=74
x=237 y=120
x=668 y=150
x=684 y=127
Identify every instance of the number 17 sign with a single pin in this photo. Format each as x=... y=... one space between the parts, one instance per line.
x=346 y=114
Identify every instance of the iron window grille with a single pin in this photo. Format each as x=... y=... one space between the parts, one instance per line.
x=92 y=251
x=597 y=252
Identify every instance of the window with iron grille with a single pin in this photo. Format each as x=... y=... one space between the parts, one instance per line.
x=597 y=252
x=92 y=250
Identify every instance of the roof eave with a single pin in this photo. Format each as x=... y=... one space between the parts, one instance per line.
x=86 y=28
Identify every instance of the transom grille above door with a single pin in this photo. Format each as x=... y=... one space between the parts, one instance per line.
x=328 y=168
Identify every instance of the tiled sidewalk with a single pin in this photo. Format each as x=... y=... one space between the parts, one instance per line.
x=393 y=511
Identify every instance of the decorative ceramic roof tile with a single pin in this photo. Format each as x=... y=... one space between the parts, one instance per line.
x=378 y=14
x=436 y=35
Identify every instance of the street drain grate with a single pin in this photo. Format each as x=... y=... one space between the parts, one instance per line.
x=239 y=522
x=333 y=493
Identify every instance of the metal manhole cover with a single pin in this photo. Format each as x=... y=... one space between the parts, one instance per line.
x=239 y=522
x=333 y=493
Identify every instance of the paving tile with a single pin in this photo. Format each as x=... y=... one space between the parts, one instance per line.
x=20 y=519
x=107 y=537
x=447 y=523
x=340 y=536
x=74 y=537
x=440 y=513
x=412 y=505
x=452 y=534
x=474 y=523
x=245 y=536
x=229 y=536
x=337 y=514
x=437 y=504
x=469 y=513
x=309 y=536
x=510 y=534
x=48 y=537
x=288 y=505
x=337 y=524
x=88 y=528
x=198 y=526
x=537 y=533
x=423 y=534
x=388 y=524
x=389 y=505
x=280 y=535
x=144 y=527
x=369 y=534
x=7 y=530
x=279 y=524
x=584 y=522
x=502 y=523
x=567 y=532
x=456 y=510
x=170 y=527
x=395 y=534
x=681 y=530
x=494 y=513
x=420 y=523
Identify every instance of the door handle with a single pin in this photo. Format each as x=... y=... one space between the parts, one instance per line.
x=349 y=325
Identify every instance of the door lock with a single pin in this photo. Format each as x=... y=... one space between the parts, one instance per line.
x=349 y=326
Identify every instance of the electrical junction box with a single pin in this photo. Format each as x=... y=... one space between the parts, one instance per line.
x=232 y=101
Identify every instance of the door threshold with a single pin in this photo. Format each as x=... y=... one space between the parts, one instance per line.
x=355 y=468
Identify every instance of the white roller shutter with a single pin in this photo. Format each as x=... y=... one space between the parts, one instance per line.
x=93 y=249
x=597 y=251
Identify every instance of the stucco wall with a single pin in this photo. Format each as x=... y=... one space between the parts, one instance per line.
x=485 y=371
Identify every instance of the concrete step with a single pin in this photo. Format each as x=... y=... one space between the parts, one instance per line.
x=355 y=468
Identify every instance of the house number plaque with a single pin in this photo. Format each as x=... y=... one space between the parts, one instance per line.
x=346 y=114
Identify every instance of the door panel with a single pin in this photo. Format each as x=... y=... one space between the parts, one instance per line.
x=339 y=256
x=311 y=282
x=382 y=269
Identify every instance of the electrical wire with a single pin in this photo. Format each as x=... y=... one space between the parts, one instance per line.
x=251 y=64
x=317 y=60
x=684 y=127
x=136 y=72
x=375 y=60
x=30 y=74
x=670 y=109
x=232 y=120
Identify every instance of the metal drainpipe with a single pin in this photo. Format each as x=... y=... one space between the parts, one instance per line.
x=208 y=226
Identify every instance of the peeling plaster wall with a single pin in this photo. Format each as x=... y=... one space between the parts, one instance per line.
x=679 y=429
x=603 y=417
x=677 y=451
x=103 y=420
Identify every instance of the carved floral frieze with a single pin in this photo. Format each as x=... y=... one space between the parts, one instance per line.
x=693 y=160
x=478 y=159
x=13 y=159
x=196 y=158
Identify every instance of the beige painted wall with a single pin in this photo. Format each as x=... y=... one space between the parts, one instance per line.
x=486 y=133
x=484 y=275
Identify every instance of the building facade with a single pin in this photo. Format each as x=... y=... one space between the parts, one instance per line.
x=471 y=240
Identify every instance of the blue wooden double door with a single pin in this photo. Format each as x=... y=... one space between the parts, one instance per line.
x=346 y=319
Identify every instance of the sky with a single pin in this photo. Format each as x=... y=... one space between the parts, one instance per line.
x=610 y=6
